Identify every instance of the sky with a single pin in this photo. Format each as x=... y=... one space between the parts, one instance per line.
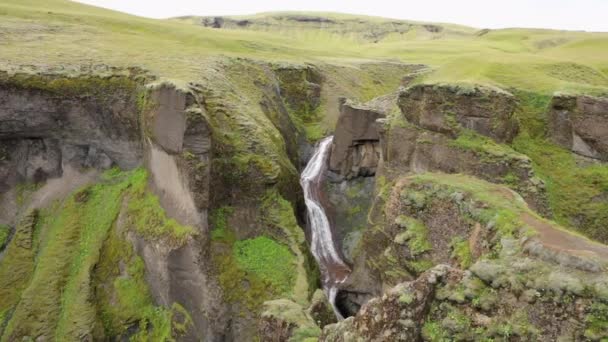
x=589 y=15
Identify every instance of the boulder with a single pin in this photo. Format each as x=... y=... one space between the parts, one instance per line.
x=284 y=320
x=398 y=315
x=356 y=150
x=448 y=109
x=320 y=309
x=580 y=124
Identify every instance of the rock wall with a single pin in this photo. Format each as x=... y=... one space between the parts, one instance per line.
x=444 y=129
x=448 y=109
x=510 y=274
x=93 y=116
x=580 y=124
x=355 y=149
x=49 y=123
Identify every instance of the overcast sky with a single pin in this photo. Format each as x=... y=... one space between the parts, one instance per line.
x=590 y=15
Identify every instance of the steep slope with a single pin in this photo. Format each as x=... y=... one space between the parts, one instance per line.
x=149 y=177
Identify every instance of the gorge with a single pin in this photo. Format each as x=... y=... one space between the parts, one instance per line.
x=299 y=177
x=333 y=270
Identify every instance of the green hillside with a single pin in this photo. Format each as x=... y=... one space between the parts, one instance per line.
x=56 y=32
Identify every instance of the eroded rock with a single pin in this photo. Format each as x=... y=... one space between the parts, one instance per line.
x=580 y=124
x=356 y=150
x=448 y=109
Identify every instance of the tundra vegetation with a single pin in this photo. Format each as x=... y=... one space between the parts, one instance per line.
x=149 y=177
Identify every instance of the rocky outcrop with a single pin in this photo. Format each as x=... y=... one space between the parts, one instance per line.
x=408 y=148
x=49 y=123
x=284 y=320
x=321 y=310
x=398 y=315
x=580 y=124
x=511 y=274
x=355 y=150
x=93 y=116
x=448 y=109
x=454 y=130
x=300 y=86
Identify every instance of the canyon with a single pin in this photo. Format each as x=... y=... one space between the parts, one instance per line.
x=225 y=185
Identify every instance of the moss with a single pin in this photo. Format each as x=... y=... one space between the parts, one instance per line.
x=596 y=322
x=415 y=235
x=148 y=217
x=433 y=331
x=413 y=198
x=73 y=239
x=485 y=299
x=572 y=190
x=218 y=220
x=461 y=251
x=314 y=132
x=419 y=266
x=456 y=321
x=531 y=112
x=4 y=234
x=60 y=290
x=289 y=313
x=485 y=147
x=16 y=269
x=25 y=191
x=260 y=255
x=124 y=300
x=406 y=298
x=515 y=326
x=99 y=87
x=306 y=334
x=277 y=212
x=248 y=269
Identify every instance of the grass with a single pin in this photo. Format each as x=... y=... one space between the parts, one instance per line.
x=273 y=264
x=269 y=260
x=148 y=217
x=572 y=190
x=4 y=234
x=596 y=322
x=219 y=221
x=58 y=32
x=461 y=251
x=415 y=235
x=56 y=297
x=16 y=270
x=500 y=210
x=485 y=147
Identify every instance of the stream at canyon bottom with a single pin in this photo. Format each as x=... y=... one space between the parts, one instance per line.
x=333 y=269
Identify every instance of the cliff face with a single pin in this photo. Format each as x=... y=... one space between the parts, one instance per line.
x=481 y=230
x=579 y=123
x=180 y=197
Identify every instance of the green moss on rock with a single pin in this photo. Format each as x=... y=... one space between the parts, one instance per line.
x=148 y=217
x=59 y=297
x=4 y=234
x=272 y=262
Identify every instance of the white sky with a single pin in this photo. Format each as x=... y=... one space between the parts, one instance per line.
x=590 y=15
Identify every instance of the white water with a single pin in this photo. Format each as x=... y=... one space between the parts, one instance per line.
x=333 y=269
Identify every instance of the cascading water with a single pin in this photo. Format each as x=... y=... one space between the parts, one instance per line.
x=333 y=270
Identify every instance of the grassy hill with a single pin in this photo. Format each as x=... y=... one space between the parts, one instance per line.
x=63 y=34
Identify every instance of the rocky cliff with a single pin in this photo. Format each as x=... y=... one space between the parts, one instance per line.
x=486 y=239
x=149 y=178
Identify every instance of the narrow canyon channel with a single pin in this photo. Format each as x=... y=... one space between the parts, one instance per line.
x=333 y=269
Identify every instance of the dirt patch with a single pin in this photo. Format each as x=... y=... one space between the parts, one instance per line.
x=170 y=186
x=563 y=241
x=58 y=188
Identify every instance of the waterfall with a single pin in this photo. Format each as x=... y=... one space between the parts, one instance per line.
x=333 y=269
